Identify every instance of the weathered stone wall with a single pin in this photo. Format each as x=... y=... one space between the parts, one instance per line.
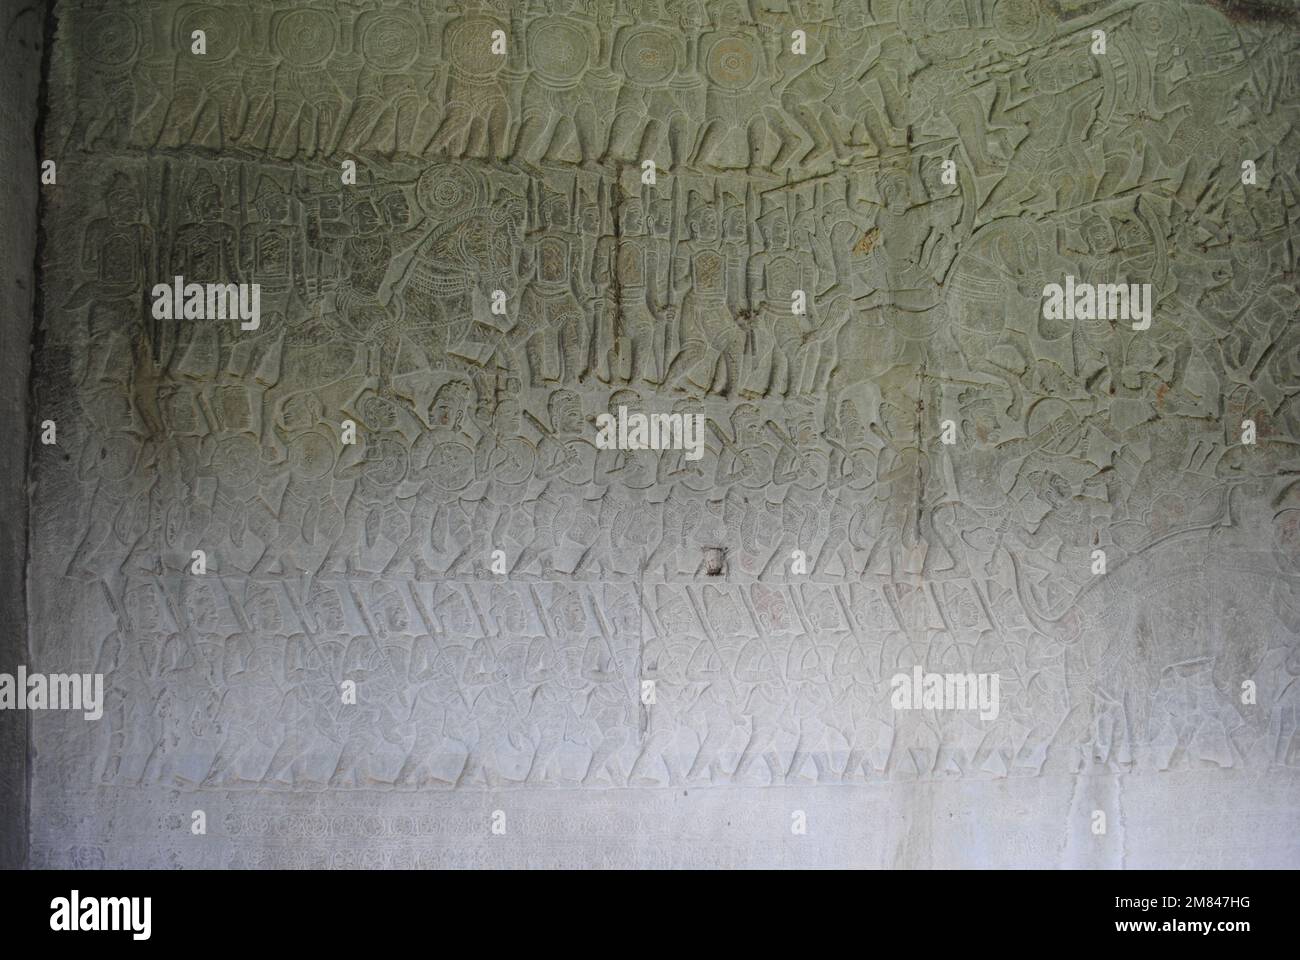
x=924 y=467
x=21 y=29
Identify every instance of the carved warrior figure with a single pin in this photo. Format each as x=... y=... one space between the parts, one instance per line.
x=272 y=252
x=479 y=113
x=440 y=461
x=656 y=93
x=391 y=112
x=117 y=249
x=560 y=105
x=306 y=510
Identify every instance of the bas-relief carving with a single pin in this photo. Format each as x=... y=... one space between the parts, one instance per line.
x=824 y=173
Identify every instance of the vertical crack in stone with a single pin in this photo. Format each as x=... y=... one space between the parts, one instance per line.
x=920 y=451
x=616 y=200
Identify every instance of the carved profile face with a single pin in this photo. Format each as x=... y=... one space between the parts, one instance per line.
x=893 y=191
x=566 y=412
x=327 y=608
x=813 y=11
x=733 y=224
x=643 y=11
x=365 y=217
x=122 y=202
x=393 y=611
x=273 y=205
x=1098 y=235
x=748 y=424
x=378 y=413
x=264 y=609
x=200 y=607
x=142 y=607
x=1055 y=489
x=771 y=608
x=1132 y=235
x=624 y=398
x=591 y=220
x=455 y=616
x=685 y=12
x=633 y=218
x=730 y=14
x=510 y=614
x=803 y=426
x=568 y=614
x=624 y=615
x=557 y=212
x=205 y=203
x=299 y=412
x=776 y=231
x=397 y=211
x=448 y=406
x=704 y=224
x=893 y=421
x=676 y=617
x=851 y=427
x=661 y=217
x=851 y=16
x=982 y=423
x=822 y=613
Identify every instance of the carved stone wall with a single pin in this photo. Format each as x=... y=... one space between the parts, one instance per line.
x=838 y=257
x=21 y=29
